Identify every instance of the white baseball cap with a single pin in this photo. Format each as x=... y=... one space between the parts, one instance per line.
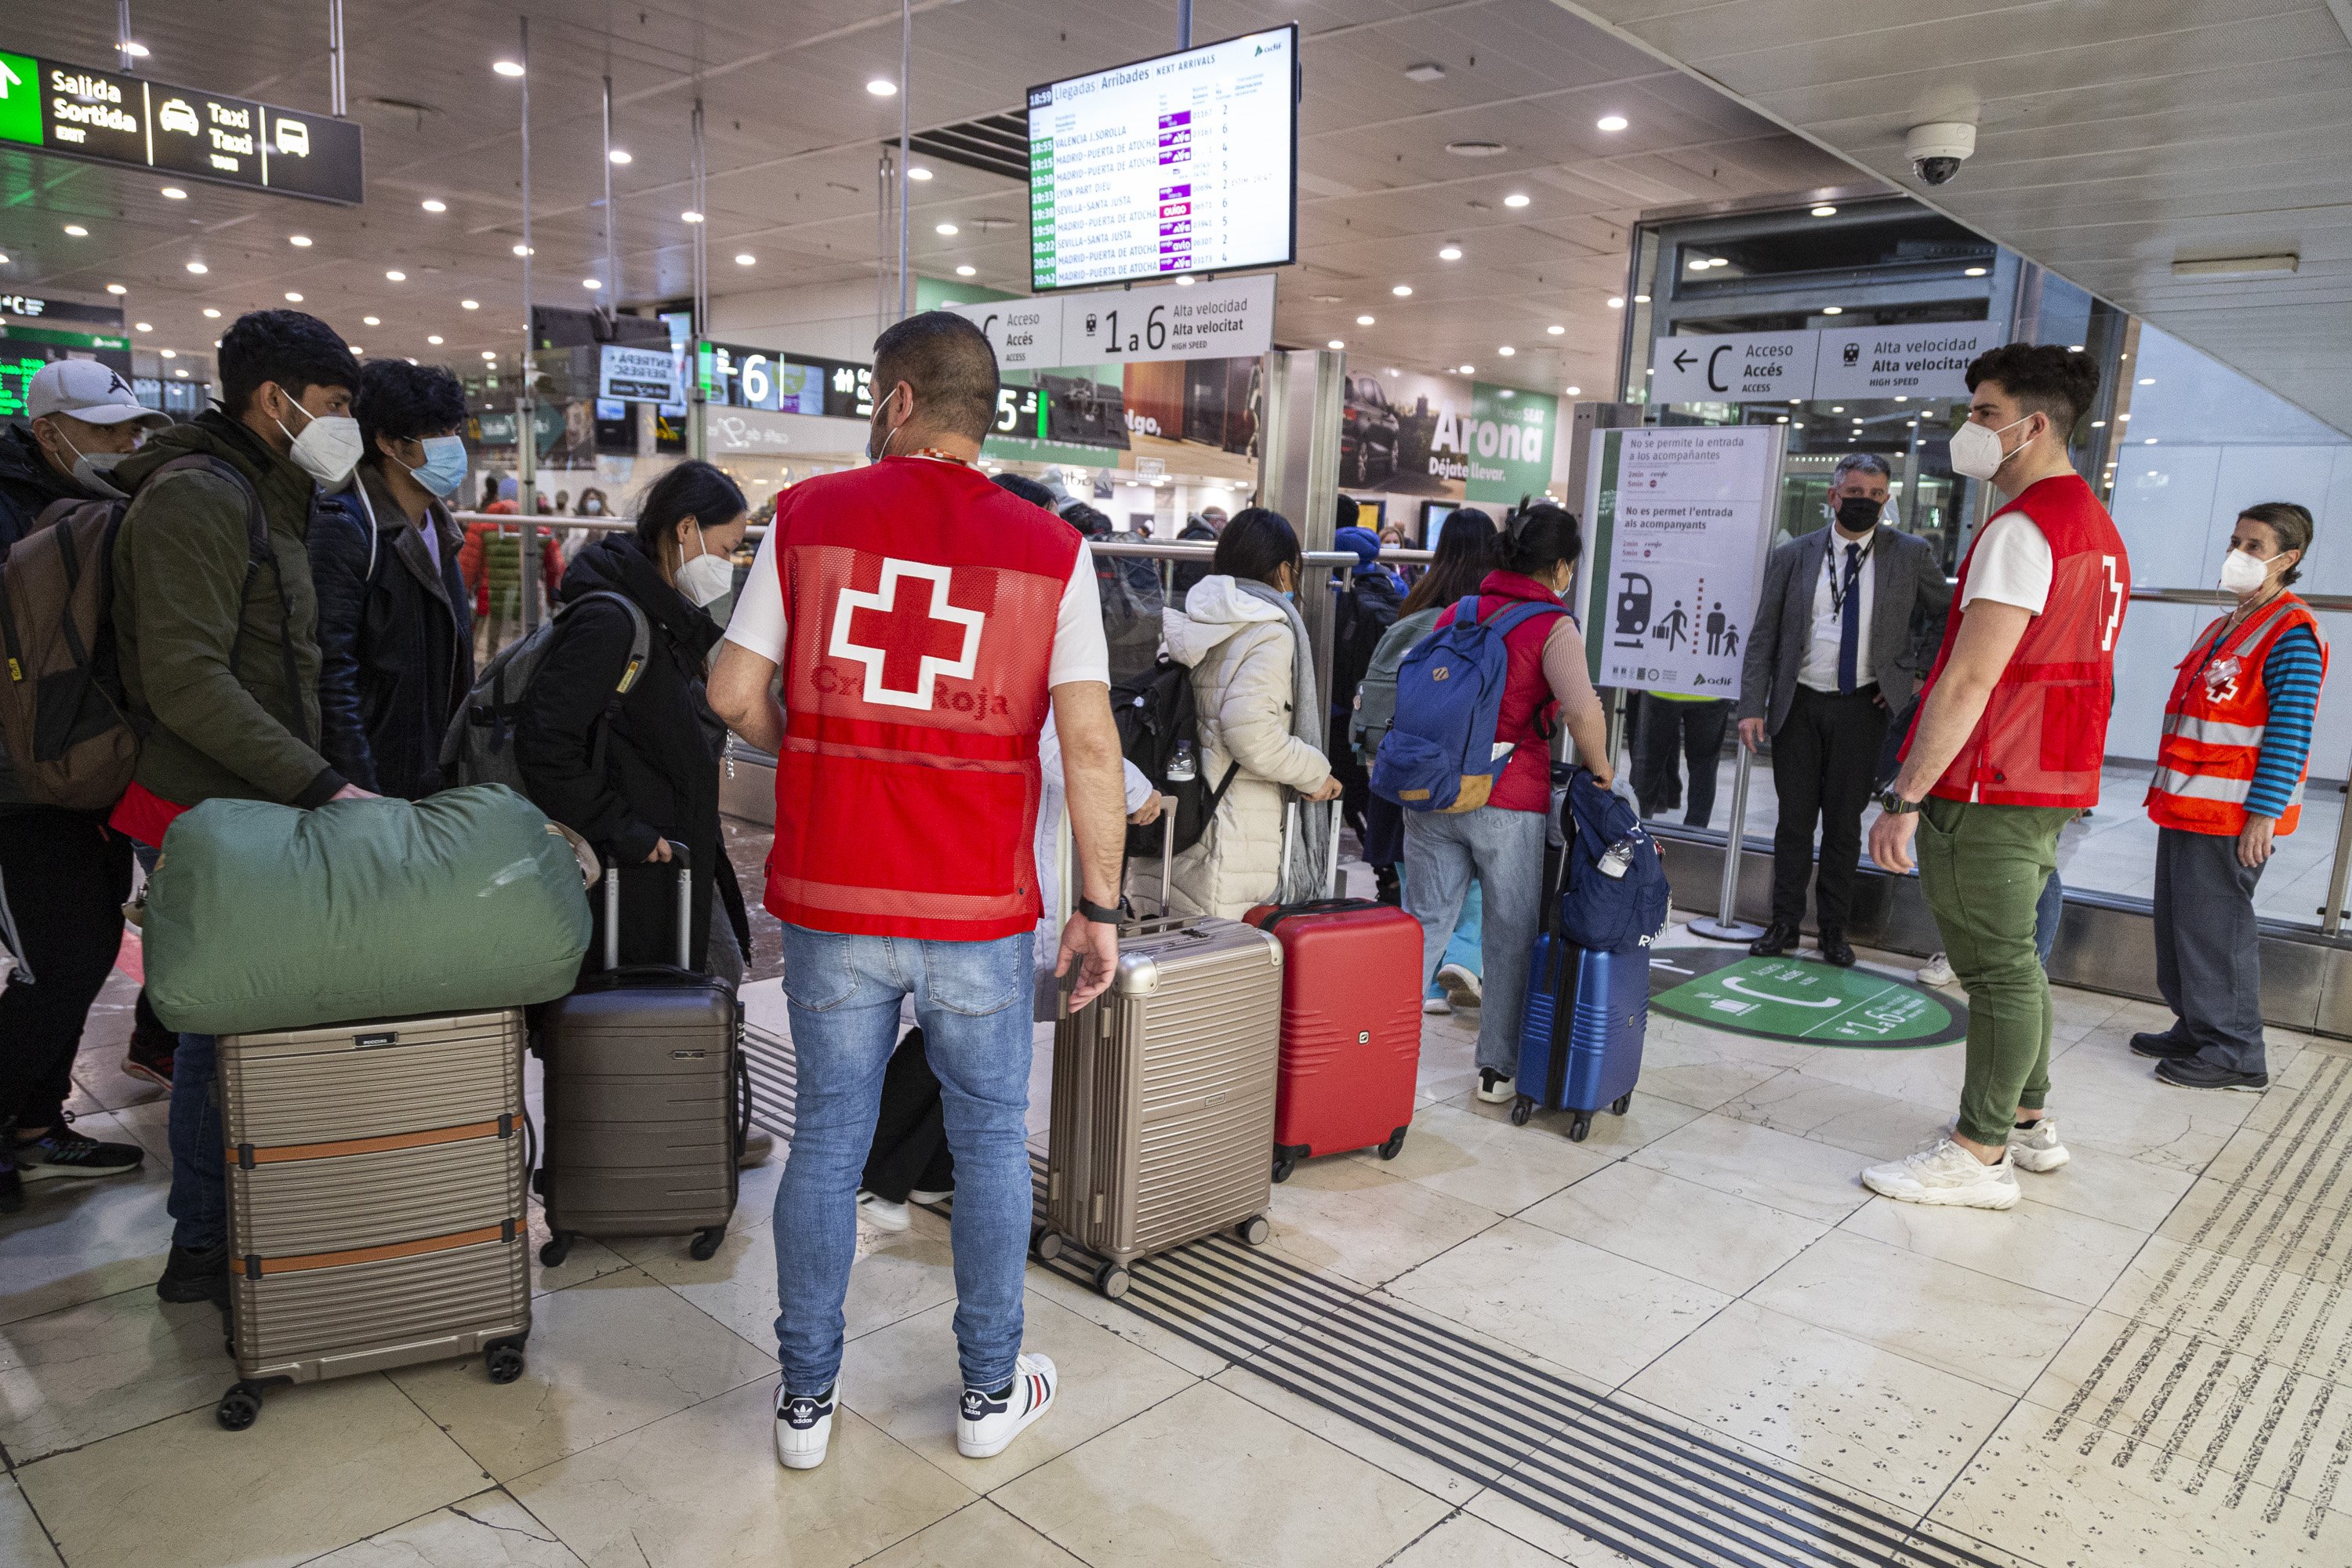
x=92 y=392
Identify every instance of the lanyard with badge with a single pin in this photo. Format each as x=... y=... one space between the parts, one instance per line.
x=1834 y=620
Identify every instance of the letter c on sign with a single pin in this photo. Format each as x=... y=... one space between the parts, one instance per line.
x=1713 y=380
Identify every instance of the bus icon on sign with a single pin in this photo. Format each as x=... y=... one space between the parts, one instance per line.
x=294 y=137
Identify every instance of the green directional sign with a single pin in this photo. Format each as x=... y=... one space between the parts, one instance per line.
x=1801 y=1000
x=20 y=99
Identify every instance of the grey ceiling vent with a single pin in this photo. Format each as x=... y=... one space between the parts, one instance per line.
x=998 y=144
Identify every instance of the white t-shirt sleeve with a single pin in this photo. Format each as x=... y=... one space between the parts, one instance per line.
x=1081 y=651
x=2013 y=565
x=757 y=622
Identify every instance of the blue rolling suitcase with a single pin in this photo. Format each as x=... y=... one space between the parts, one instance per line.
x=1581 y=1034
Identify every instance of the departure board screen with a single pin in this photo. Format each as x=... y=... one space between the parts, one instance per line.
x=1183 y=163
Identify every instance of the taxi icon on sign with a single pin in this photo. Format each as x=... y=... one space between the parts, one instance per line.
x=175 y=115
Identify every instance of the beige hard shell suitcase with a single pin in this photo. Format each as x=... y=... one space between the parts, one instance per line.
x=375 y=1199
x=1163 y=1097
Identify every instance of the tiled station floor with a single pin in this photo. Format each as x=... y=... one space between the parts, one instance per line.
x=1694 y=1339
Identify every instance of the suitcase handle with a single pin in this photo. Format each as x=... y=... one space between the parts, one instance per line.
x=1290 y=816
x=680 y=859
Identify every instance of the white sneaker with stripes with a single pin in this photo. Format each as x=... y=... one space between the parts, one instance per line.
x=989 y=1421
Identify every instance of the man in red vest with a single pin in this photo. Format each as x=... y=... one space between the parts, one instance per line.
x=923 y=621
x=2006 y=751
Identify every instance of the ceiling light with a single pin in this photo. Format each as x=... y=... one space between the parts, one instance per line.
x=1611 y=122
x=1825 y=210
x=1837 y=408
x=1336 y=344
x=1476 y=148
x=1616 y=301
x=1450 y=253
x=744 y=258
x=1402 y=290
x=2122 y=418
x=76 y=231
x=918 y=172
x=136 y=51
x=1186 y=281
x=1698 y=264
x=945 y=228
x=2238 y=266
x=211 y=314
x=116 y=288
x=355 y=348
x=1782 y=420
x=1640 y=298
x=1516 y=199
x=198 y=268
x=1394 y=370
x=2149 y=442
x=2098 y=424
x=1363 y=321
x=689 y=217
x=372 y=321
x=591 y=282
x=1556 y=330
x=435 y=205
x=1900 y=397
x=171 y=353
x=1469 y=370
x=620 y=156
x=1428 y=70
x=298 y=241
x=181 y=374
x=2074 y=348
x=174 y=193
x=1798 y=426
x=1575 y=391
x=433 y=338
x=1507 y=351
x=522 y=250
x=966 y=270
x=882 y=87
x=469 y=304
x=1973 y=272
x=2148 y=381
x=1833 y=310
x=506 y=68
x=143 y=326
x=395 y=276
x=489 y=353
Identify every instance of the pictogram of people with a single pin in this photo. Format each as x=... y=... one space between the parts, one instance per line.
x=1672 y=626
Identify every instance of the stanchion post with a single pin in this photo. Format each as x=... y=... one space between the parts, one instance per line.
x=1726 y=925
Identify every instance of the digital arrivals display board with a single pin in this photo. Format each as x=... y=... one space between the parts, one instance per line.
x=108 y=116
x=1183 y=163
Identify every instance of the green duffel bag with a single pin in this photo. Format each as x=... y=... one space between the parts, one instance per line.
x=267 y=917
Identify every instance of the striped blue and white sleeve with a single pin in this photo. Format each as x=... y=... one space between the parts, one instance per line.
x=2291 y=675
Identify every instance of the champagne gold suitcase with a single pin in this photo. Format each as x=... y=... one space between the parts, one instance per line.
x=1163 y=1097
x=375 y=1199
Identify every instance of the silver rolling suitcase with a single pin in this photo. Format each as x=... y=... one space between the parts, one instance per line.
x=375 y=1199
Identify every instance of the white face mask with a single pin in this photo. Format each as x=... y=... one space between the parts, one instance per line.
x=328 y=448
x=706 y=578
x=2242 y=573
x=94 y=471
x=1976 y=452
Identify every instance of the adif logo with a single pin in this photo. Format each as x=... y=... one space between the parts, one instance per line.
x=907 y=647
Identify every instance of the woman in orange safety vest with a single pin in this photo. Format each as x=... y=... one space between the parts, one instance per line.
x=2229 y=780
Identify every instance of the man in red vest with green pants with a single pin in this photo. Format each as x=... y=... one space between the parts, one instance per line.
x=2006 y=751
x=924 y=622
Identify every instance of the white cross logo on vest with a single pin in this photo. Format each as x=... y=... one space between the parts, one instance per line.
x=902 y=649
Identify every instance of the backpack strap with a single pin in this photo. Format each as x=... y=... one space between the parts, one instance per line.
x=640 y=649
x=1520 y=614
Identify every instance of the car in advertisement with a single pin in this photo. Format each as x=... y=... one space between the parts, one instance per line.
x=1369 y=429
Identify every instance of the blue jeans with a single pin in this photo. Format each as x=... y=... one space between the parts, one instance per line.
x=1504 y=851
x=972 y=999
x=1463 y=949
x=199 y=1200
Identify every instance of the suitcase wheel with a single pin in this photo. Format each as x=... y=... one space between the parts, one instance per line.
x=1046 y=1244
x=1113 y=1282
x=1253 y=1230
x=1577 y=1128
x=1521 y=1109
x=1394 y=1146
x=556 y=1249
x=1283 y=1165
x=1622 y=1103
x=705 y=1242
x=503 y=1362
x=239 y=1407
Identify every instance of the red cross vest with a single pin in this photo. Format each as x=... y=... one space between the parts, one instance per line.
x=921 y=602
x=2043 y=733
x=2214 y=722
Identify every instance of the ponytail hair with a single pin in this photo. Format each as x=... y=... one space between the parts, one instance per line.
x=1537 y=539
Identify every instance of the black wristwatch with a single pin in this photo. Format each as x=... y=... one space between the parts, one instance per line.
x=1095 y=912
x=1894 y=805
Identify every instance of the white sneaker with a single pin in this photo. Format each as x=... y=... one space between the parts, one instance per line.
x=1494 y=1088
x=1937 y=971
x=1462 y=987
x=2037 y=1148
x=880 y=1212
x=1437 y=1006
x=926 y=1199
x=804 y=1425
x=1944 y=1173
x=987 y=1422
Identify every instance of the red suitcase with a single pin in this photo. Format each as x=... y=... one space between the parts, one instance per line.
x=1351 y=992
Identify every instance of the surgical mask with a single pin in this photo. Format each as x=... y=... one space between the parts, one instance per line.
x=444 y=468
x=2242 y=573
x=591 y=507
x=94 y=471
x=706 y=578
x=328 y=448
x=1976 y=452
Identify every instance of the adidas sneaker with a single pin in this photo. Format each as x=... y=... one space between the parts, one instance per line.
x=804 y=1425
x=987 y=1423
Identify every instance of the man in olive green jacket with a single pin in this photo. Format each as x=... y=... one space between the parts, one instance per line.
x=219 y=654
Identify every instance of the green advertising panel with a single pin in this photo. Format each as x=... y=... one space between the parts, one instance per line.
x=1801 y=1000
x=1507 y=443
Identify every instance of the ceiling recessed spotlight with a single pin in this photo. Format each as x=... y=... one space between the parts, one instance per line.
x=917 y=172
x=689 y=217
x=1833 y=310
x=882 y=87
x=2149 y=442
x=372 y=321
x=2074 y=348
x=395 y=276
x=143 y=326
x=355 y=348
x=116 y=288
x=1469 y=370
x=174 y=193
x=1450 y=253
x=1186 y=281
x=620 y=156
x=435 y=205
x=1616 y=301
x=1825 y=210
x=1516 y=199
x=211 y=314
x=433 y=338
x=1507 y=351
x=489 y=353
x=1363 y=321
x=945 y=228
x=967 y=270
x=744 y=258
x=1476 y=148
x=1699 y=264
x=469 y=304
x=1575 y=391
x=506 y=68
x=1837 y=408
x=1640 y=298
x=2148 y=381
x=181 y=374
x=1394 y=370
x=171 y=353
x=1783 y=419
x=1973 y=272
x=591 y=282
x=1402 y=290
x=522 y=250
x=298 y=241
x=1428 y=70
x=198 y=268
x=1611 y=122
x=135 y=50
x=1336 y=344
x=77 y=230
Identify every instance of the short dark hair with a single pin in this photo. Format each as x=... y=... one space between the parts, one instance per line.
x=693 y=490
x=406 y=402
x=1347 y=512
x=1027 y=488
x=1257 y=544
x=1539 y=538
x=949 y=362
x=297 y=350
x=1860 y=463
x=1090 y=520
x=2290 y=522
x=1467 y=549
x=2043 y=378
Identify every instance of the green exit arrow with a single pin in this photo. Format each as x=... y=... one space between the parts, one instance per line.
x=20 y=99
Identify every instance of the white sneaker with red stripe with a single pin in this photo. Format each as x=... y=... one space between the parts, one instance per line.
x=988 y=1422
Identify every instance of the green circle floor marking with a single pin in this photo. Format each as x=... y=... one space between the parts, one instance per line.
x=1800 y=999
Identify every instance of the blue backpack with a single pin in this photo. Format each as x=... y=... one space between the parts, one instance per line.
x=1598 y=911
x=1439 y=753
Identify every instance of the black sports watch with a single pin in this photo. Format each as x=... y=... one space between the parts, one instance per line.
x=1095 y=912
x=1894 y=805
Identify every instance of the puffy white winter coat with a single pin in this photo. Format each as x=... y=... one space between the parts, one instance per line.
x=1241 y=652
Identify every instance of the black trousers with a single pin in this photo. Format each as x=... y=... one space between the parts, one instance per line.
x=2209 y=963
x=910 y=1140
x=63 y=878
x=1825 y=763
x=1666 y=734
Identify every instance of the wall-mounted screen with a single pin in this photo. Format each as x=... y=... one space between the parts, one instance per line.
x=1186 y=163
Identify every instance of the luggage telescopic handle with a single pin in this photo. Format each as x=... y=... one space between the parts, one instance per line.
x=1167 y=847
x=1290 y=829
x=678 y=859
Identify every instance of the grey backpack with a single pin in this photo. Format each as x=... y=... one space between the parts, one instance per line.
x=479 y=746
x=1376 y=698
